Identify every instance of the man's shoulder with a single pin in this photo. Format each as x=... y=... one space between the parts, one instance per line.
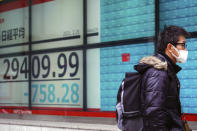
x=154 y=72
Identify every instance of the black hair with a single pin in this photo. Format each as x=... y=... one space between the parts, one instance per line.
x=171 y=35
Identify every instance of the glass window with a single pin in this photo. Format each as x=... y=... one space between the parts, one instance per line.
x=187 y=77
x=113 y=66
x=13 y=23
x=14 y=34
x=57 y=20
x=93 y=78
x=57 y=79
x=93 y=21
x=14 y=81
x=121 y=20
x=175 y=13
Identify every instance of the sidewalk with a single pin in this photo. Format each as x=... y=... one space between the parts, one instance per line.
x=32 y=125
x=60 y=124
x=13 y=122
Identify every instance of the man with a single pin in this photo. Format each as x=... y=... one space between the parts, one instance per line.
x=160 y=86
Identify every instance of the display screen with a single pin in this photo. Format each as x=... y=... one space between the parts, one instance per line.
x=57 y=79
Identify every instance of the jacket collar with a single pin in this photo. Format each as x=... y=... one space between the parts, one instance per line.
x=171 y=65
x=150 y=61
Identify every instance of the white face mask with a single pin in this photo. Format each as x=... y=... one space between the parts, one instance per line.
x=183 y=54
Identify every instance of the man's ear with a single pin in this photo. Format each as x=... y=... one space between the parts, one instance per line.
x=169 y=47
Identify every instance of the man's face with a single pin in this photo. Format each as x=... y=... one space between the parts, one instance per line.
x=180 y=45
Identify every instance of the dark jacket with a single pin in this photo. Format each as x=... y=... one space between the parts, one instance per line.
x=160 y=94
